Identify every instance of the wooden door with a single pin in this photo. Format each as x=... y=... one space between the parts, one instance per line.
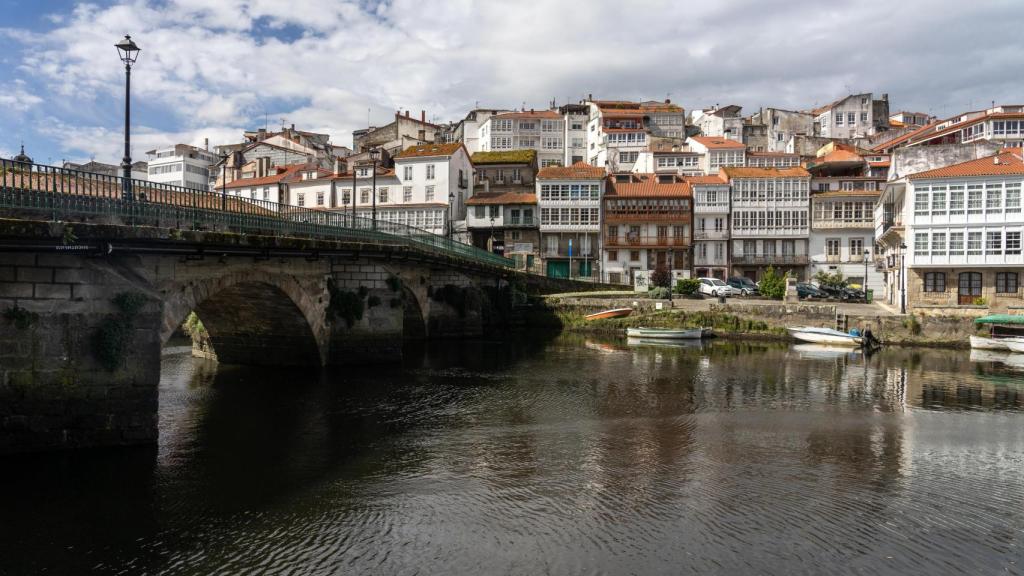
x=969 y=287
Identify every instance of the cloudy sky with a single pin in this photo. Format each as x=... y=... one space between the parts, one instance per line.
x=211 y=68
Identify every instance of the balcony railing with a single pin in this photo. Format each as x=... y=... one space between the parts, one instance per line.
x=522 y=221
x=61 y=194
x=641 y=241
x=710 y=234
x=833 y=224
x=770 y=259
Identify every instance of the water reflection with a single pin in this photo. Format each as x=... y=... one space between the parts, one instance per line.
x=571 y=455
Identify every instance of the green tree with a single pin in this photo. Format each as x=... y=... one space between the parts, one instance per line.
x=773 y=284
x=687 y=285
x=661 y=277
x=836 y=280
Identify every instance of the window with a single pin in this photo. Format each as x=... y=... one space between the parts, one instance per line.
x=634 y=255
x=364 y=195
x=1013 y=198
x=863 y=117
x=550 y=143
x=527 y=124
x=501 y=125
x=1007 y=282
x=851 y=118
x=973 y=243
x=921 y=243
x=938 y=243
x=527 y=142
x=832 y=247
x=938 y=200
x=346 y=197
x=300 y=199
x=494 y=212
x=956 y=243
x=382 y=194
x=478 y=212
x=407 y=194
x=430 y=171
x=935 y=282
x=974 y=199
x=921 y=201
x=1012 y=243
x=839 y=119
x=319 y=198
x=407 y=173
x=266 y=192
x=501 y=142
x=994 y=242
x=551 y=125
x=856 y=248
x=956 y=199
x=994 y=198
x=428 y=193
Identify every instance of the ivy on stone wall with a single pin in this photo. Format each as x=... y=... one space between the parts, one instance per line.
x=20 y=317
x=345 y=304
x=114 y=334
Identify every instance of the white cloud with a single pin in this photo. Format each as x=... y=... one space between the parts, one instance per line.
x=212 y=66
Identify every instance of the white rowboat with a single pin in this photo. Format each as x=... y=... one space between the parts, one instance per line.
x=983 y=343
x=826 y=336
x=666 y=333
x=1016 y=345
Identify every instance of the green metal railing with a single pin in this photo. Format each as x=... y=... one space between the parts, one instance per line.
x=60 y=193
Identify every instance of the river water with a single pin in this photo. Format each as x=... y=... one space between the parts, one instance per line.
x=549 y=455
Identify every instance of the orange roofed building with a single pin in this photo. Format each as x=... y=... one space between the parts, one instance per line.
x=647 y=225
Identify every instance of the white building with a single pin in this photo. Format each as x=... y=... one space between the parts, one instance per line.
x=716 y=152
x=569 y=202
x=854 y=116
x=541 y=130
x=843 y=229
x=964 y=225
x=618 y=132
x=181 y=165
x=724 y=122
x=710 y=226
x=770 y=224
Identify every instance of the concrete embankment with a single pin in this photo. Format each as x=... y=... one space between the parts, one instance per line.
x=754 y=319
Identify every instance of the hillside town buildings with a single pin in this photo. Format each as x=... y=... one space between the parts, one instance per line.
x=923 y=211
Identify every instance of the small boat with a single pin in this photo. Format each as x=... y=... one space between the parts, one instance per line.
x=1015 y=345
x=668 y=333
x=825 y=336
x=822 y=352
x=982 y=355
x=665 y=342
x=983 y=343
x=613 y=313
x=1002 y=330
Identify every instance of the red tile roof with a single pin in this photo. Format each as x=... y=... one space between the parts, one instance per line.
x=710 y=179
x=648 y=186
x=285 y=172
x=1004 y=163
x=716 y=142
x=428 y=150
x=836 y=156
x=578 y=171
x=731 y=172
x=770 y=154
x=502 y=198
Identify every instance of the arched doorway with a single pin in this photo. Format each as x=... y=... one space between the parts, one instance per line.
x=969 y=288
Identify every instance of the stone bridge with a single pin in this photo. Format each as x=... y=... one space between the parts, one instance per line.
x=86 y=309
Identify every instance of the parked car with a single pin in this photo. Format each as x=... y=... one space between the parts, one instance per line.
x=745 y=285
x=833 y=292
x=715 y=287
x=806 y=290
x=855 y=294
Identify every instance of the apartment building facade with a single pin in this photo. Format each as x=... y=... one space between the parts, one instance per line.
x=770 y=224
x=618 y=132
x=854 y=116
x=502 y=211
x=843 y=227
x=543 y=131
x=181 y=165
x=964 y=229
x=711 y=213
x=569 y=205
x=715 y=152
x=647 y=226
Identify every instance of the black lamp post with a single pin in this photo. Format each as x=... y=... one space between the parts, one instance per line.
x=224 y=181
x=129 y=53
x=865 y=285
x=374 y=155
x=353 y=168
x=903 y=279
x=451 y=199
x=491 y=209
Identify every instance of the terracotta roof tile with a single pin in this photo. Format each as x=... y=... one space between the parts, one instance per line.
x=578 y=171
x=731 y=172
x=709 y=179
x=287 y=171
x=487 y=198
x=428 y=150
x=716 y=142
x=1009 y=163
x=648 y=186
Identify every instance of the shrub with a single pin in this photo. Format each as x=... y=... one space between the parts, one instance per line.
x=661 y=277
x=20 y=317
x=687 y=286
x=980 y=301
x=658 y=293
x=773 y=284
x=836 y=280
x=345 y=304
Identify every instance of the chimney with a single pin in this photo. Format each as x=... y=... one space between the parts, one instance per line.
x=885 y=97
x=406 y=113
x=423 y=115
x=206 y=144
x=339 y=166
x=995 y=159
x=293 y=127
x=668 y=100
x=590 y=97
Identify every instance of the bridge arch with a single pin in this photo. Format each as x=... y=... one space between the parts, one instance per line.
x=254 y=317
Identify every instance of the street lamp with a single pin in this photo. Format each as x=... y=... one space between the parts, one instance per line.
x=865 y=283
x=451 y=200
x=129 y=53
x=492 y=229
x=224 y=181
x=374 y=155
x=903 y=279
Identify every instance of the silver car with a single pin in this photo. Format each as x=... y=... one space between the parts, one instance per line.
x=715 y=287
